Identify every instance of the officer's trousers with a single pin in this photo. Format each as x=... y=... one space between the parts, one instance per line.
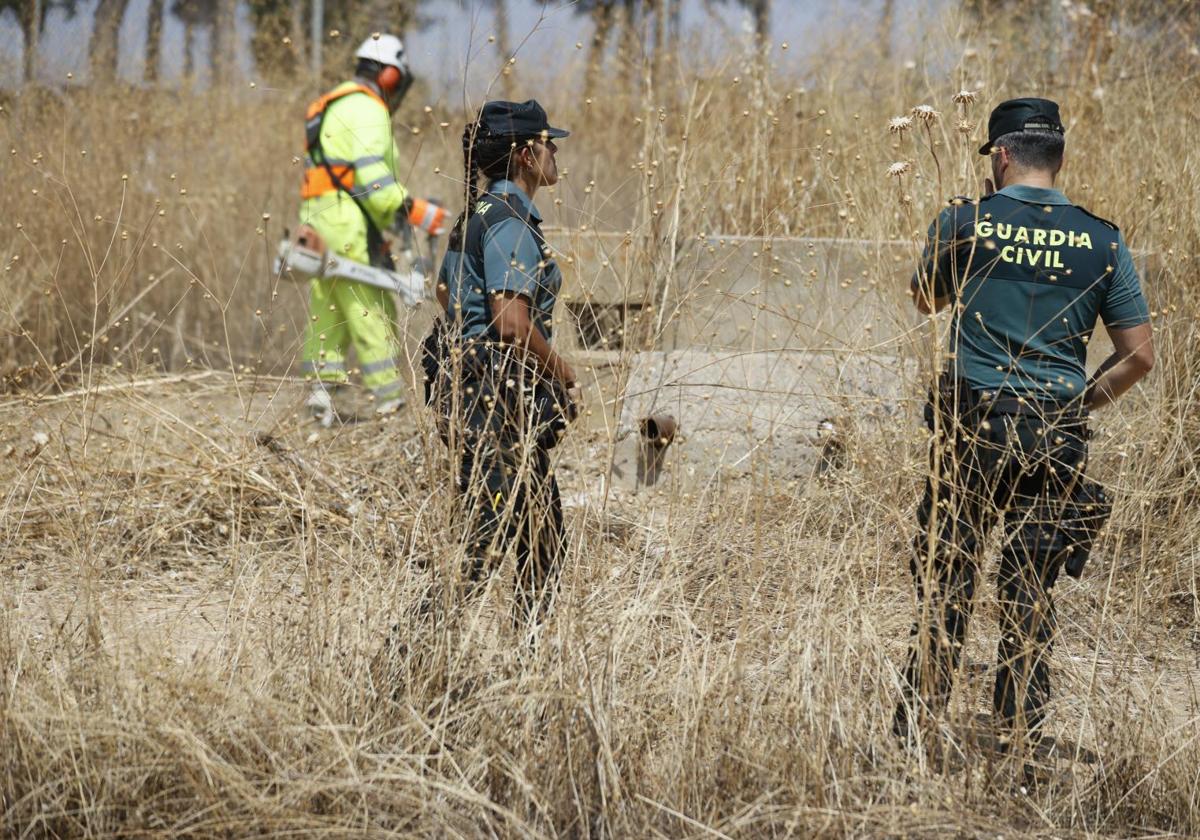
x=1019 y=469
x=509 y=420
x=344 y=312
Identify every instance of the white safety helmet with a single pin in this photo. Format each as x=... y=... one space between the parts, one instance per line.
x=386 y=54
x=386 y=49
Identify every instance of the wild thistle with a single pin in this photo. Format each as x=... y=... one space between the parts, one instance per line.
x=926 y=115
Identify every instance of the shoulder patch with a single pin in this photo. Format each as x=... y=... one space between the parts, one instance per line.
x=1097 y=218
x=490 y=211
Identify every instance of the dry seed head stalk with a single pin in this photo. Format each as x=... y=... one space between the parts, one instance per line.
x=965 y=126
x=966 y=97
x=898 y=168
x=899 y=125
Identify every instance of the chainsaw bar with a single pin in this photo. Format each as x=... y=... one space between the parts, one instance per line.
x=304 y=263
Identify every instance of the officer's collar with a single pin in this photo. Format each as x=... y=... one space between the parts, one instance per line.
x=509 y=188
x=1034 y=195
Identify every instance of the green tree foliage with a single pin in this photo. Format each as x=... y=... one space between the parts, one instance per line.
x=279 y=42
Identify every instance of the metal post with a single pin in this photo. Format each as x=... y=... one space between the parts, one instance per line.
x=318 y=26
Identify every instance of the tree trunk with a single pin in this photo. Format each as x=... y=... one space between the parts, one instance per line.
x=762 y=21
x=224 y=42
x=31 y=29
x=602 y=24
x=189 y=52
x=103 y=48
x=660 y=39
x=154 y=23
x=887 y=17
x=630 y=52
x=504 y=47
x=299 y=23
x=676 y=16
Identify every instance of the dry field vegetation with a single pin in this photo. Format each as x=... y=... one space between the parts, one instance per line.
x=203 y=635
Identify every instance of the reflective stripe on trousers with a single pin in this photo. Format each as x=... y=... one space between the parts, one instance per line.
x=345 y=313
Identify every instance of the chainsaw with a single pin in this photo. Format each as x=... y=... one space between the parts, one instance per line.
x=306 y=255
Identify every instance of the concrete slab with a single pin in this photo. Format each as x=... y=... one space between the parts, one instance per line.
x=739 y=293
x=789 y=412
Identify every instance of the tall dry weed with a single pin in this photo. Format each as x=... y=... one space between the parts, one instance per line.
x=204 y=637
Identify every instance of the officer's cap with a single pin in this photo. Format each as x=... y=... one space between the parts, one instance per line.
x=1019 y=115
x=518 y=119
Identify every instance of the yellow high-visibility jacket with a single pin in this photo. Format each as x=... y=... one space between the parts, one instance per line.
x=357 y=142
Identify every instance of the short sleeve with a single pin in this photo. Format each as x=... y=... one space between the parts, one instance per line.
x=451 y=268
x=1124 y=305
x=937 y=260
x=511 y=259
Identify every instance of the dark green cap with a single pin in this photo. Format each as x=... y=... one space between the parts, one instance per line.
x=518 y=119
x=1019 y=115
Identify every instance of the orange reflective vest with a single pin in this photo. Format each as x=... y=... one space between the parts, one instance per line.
x=320 y=174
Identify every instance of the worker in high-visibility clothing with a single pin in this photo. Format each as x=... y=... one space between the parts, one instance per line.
x=351 y=196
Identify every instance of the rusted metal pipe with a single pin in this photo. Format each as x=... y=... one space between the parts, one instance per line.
x=659 y=430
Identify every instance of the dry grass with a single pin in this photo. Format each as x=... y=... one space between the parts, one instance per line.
x=202 y=636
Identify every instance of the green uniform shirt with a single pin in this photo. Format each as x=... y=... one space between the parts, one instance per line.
x=512 y=257
x=1028 y=274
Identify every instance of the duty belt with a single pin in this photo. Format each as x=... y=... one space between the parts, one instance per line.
x=971 y=403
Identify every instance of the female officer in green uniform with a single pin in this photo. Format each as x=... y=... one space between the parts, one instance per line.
x=502 y=392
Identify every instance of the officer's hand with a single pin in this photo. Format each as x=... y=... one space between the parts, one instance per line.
x=575 y=401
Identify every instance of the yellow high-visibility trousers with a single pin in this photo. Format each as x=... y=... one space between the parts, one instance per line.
x=342 y=312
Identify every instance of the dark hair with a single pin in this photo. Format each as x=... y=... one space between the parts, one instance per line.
x=486 y=154
x=1034 y=148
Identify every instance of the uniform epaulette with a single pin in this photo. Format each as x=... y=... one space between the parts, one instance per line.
x=1098 y=218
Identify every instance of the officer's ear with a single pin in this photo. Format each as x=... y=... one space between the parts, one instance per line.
x=530 y=160
x=1000 y=163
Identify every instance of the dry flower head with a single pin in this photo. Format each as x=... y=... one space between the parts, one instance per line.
x=926 y=114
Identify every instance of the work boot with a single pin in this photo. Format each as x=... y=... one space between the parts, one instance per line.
x=389 y=407
x=320 y=404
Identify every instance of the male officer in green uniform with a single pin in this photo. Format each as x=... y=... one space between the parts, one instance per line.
x=1027 y=274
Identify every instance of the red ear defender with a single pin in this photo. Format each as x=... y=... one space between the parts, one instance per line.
x=388 y=78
